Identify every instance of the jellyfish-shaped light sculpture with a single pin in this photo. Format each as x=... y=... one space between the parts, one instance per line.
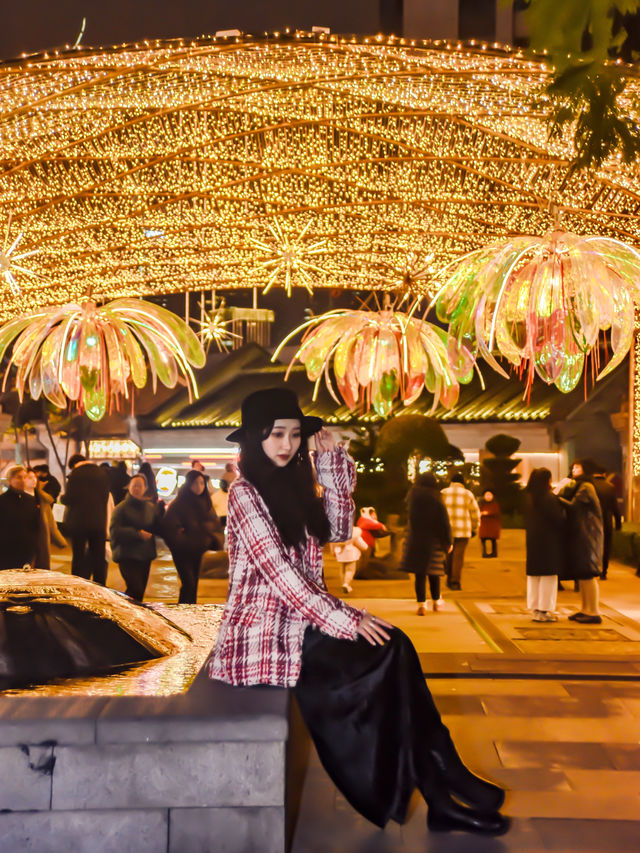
x=380 y=356
x=94 y=354
x=542 y=302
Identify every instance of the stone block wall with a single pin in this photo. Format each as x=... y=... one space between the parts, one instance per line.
x=194 y=773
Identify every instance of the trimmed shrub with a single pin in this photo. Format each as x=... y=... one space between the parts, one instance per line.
x=625 y=544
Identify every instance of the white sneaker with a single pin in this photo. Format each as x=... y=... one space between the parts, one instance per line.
x=438 y=605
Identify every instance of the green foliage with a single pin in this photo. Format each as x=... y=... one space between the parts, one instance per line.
x=502 y=444
x=405 y=436
x=384 y=489
x=497 y=472
x=560 y=28
x=625 y=544
x=585 y=90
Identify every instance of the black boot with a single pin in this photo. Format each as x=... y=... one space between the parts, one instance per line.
x=445 y=815
x=462 y=783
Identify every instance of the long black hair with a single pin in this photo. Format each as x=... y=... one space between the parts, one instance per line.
x=538 y=484
x=290 y=493
x=203 y=501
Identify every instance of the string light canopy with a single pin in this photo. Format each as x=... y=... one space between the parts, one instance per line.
x=93 y=355
x=542 y=302
x=379 y=356
x=155 y=167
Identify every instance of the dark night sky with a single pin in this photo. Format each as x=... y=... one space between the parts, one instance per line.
x=34 y=25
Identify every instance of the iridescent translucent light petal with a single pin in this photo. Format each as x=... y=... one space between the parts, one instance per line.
x=543 y=302
x=90 y=354
x=380 y=356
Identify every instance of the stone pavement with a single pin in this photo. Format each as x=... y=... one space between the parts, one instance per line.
x=552 y=711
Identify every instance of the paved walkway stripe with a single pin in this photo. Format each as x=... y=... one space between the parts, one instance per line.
x=478 y=628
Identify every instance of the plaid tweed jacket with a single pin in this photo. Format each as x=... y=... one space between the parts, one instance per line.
x=464 y=515
x=275 y=592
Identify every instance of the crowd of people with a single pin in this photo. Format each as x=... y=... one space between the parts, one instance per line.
x=358 y=681
x=568 y=537
x=109 y=513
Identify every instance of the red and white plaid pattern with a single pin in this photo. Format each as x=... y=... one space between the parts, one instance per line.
x=275 y=592
x=464 y=515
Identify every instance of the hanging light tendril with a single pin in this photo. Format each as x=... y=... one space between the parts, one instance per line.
x=542 y=302
x=93 y=355
x=379 y=356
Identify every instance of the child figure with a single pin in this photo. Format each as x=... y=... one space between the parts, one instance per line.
x=347 y=554
x=490 y=523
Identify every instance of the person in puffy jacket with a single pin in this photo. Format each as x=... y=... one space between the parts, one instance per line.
x=133 y=524
x=490 y=523
x=190 y=528
x=88 y=502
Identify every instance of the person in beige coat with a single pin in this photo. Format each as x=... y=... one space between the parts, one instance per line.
x=48 y=532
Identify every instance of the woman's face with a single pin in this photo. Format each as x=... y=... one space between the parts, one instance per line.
x=576 y=470
x=283 y=441
x=197 y=485
x=138 y=487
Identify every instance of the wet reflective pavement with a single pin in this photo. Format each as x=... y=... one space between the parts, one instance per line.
x=551 y=711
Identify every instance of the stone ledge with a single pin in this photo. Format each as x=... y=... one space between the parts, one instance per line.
x=164 y=774
x=210 y=711
x=120 y=776
x=25 y=780
x=85 y=832
x=239 y=830
x=64 y=720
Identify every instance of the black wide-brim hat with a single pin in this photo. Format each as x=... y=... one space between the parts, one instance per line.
x=262 y=408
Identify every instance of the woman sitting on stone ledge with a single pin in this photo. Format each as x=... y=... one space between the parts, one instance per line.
x=357 y=679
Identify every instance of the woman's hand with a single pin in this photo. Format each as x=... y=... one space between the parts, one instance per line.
x=372 y=628
x=325 y=440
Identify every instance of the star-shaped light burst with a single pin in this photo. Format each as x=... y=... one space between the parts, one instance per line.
x=8 y=261
x=289 y=258
x=412 y=275
x=213 y=329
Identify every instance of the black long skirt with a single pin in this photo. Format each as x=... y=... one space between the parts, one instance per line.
x=373 y=721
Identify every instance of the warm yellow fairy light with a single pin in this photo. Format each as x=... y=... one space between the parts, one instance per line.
x=213 y=329
x=289 y=259
x=634 y=404
x=9 y=258
x=151 y=167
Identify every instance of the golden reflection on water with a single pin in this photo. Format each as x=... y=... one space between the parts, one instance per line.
x=162 y=677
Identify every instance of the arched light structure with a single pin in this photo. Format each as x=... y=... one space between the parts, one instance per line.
x=93 y=354
x=305 y=160
x=542 y=302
